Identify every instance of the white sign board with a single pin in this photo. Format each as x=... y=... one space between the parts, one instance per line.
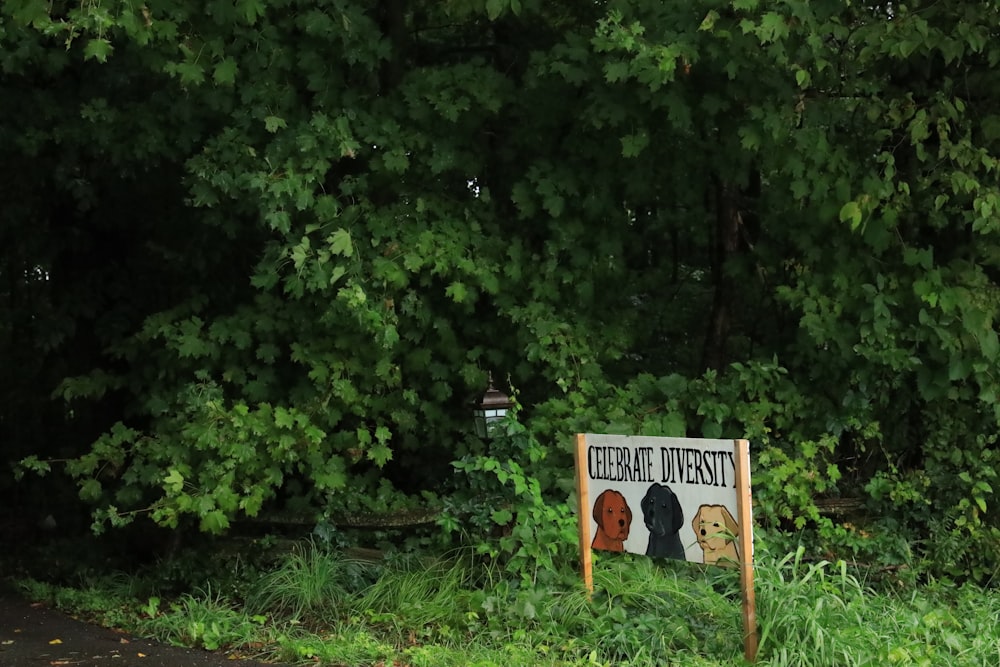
x=681 y=498
x=663 y=497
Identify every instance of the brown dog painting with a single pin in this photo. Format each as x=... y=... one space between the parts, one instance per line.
x=614 y=518
x=716 y=531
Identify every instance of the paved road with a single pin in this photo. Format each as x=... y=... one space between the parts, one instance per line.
x=32 y=635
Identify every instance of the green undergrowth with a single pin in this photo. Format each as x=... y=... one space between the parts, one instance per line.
x=315 y=606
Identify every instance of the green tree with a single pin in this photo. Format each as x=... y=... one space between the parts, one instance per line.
x=280 y=243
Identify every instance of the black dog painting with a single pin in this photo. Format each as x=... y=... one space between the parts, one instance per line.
x=664 y=517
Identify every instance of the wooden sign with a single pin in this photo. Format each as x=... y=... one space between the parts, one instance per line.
x=681 y=498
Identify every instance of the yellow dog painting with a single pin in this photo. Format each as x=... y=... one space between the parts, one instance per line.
x=716 y=531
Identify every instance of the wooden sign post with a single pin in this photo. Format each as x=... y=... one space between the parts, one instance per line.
x=681 y=498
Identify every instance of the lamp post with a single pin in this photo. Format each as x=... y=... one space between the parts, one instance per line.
x=490 y=410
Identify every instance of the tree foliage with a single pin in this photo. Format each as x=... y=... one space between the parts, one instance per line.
x=264 y=251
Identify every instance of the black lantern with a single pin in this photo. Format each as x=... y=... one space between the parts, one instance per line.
x=491 y=410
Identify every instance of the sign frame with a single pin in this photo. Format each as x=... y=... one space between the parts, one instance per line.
x=741 y=460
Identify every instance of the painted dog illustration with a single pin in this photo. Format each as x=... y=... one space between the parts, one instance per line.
x=614 y=519
x=716 y=530
x=664 y=517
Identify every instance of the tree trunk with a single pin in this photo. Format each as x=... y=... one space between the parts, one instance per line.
x=725 y=242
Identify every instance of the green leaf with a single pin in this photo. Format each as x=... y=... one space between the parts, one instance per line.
x=502 y=517
x=191 y=346
x=174 y=481
x=633 y=144
x=97 y=49
x=396 y=161
x=616 y=70
x=380 y=454
x=274 y=123
x=250 y=10
x=711 y=430
x=457 y=291
x=191 y=73
x=340 y=243
x=851 y=212
x=283 y=418
x=554 y=204
x=673 y=425
x=772 y=27
x=709 y=21
x=214 y=522
x=331 y=476
x=989 y=344
x=336 y=274
x=32 y=464
x=30 y=11
x=494 y=8
x=225 y=72
x=90 y=490
x=300 y=253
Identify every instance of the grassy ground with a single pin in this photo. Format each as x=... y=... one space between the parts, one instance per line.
x=318 y=607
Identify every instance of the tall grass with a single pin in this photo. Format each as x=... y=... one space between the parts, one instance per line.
x=204 y=620
x=418 y=594
x=820 y=614
x=813 y=606
x=646 y=613
x=316 y=606
x=309 y=583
